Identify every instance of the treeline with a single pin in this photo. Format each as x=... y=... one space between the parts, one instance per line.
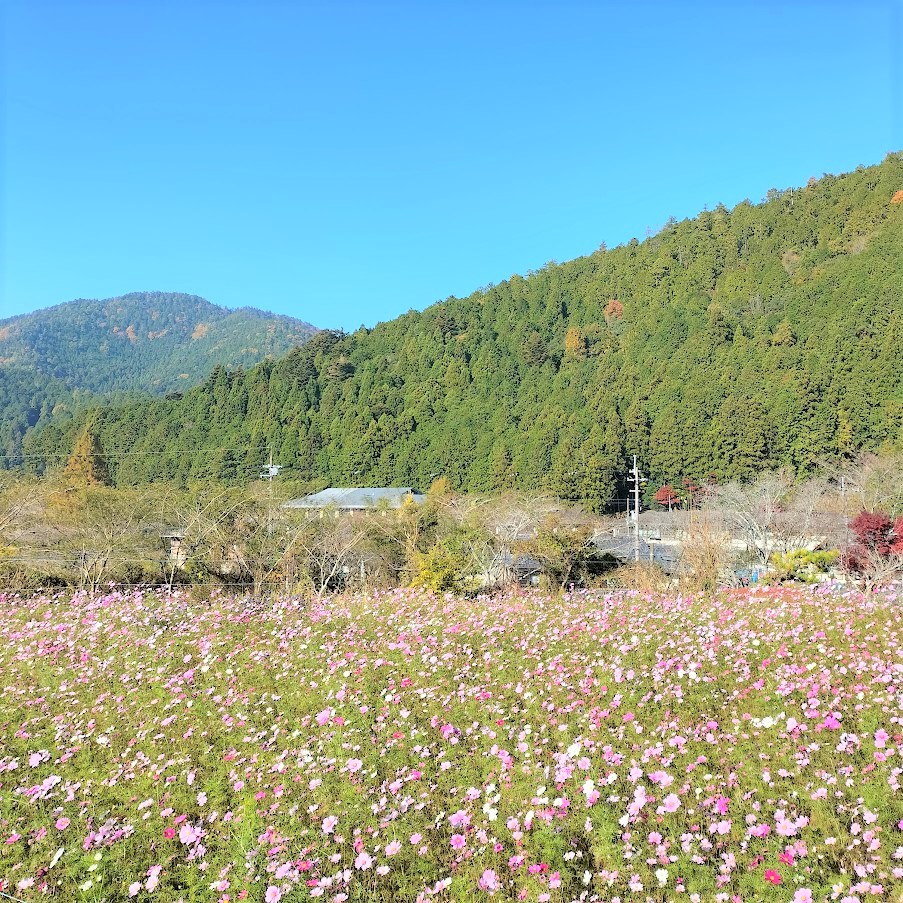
x=70 y=531
x=742 y=340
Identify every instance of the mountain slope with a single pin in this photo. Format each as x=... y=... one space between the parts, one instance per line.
x=147 y=342
x=151 y=341
x=764 y=336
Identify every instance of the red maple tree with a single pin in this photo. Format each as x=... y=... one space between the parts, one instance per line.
x=666 y=495
x=614 y=310
x=878 y=550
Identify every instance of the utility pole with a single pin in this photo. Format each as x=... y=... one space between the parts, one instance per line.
x=637 y=479
x=270 y=470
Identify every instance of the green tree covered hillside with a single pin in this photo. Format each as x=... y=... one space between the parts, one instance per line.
x=156 y=342
x=740 y=340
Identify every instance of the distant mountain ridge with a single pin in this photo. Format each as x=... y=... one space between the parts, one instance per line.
x=55 y=359
x=169 y=340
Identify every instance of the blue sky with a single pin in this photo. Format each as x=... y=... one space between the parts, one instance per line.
x=344 y=162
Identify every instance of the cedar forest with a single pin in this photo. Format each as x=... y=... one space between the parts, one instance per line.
x=766 y=336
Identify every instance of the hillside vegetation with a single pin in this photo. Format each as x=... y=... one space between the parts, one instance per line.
x=740 y=340
x=143 y=342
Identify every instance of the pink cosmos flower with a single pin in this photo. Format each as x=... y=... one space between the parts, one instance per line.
x=329 y=824
x=393 y=847
x=363 y=861
x=671 y=803
x=273 y=894
x=803 y=895
x=785 y=828
x=62 y=823
x=489 y=881
x=355 y=765
x=458 y=841
x=189 y=834
x=772 y=876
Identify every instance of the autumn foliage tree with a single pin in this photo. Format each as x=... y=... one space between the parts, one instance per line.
x=575 y=343
x=692 y=490
x=877 y=554
x=86 y=465
x=614 y=310
x=667 y=497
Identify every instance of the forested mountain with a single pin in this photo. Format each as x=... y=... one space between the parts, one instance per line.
x=147 y=342
x=740 y=340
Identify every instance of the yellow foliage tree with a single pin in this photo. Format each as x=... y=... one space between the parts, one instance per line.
x=86 y=465
x=575 y=342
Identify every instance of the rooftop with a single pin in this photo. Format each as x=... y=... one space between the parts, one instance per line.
x=352 y=499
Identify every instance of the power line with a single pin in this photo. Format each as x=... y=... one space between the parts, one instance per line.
x=106 y=454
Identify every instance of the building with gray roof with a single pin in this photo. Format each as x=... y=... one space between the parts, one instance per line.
x=349 y=500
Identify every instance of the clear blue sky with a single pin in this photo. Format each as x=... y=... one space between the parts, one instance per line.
x=344 y=162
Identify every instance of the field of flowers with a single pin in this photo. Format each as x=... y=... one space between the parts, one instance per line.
x=740 y=746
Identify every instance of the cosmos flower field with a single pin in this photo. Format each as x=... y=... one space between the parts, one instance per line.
x=738 y=746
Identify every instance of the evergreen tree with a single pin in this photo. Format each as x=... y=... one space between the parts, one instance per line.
x=86 y=465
